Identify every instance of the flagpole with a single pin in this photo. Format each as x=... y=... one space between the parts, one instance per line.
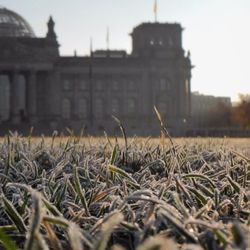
x=90 y=46
x=107 y=38
x=91 y=83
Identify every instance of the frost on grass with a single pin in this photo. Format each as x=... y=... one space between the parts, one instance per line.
x=102 y=193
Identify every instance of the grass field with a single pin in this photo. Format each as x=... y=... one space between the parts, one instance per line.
x=137 y=193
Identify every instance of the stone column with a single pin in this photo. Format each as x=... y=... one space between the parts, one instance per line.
x=182 y=98
x=31 y=98
x=53 y=100
x=1 y=103
x=189 y=97
x=14 y=109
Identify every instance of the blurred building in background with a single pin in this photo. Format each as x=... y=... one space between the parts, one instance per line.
x=207 y=108
x=41 y=88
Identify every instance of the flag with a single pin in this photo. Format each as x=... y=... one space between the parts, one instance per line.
x=155 y=10
x=90 y=58
x=155 y=7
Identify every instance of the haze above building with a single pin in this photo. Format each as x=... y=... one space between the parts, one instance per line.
x=216 y=33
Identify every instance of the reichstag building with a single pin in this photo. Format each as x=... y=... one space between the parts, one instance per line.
x=46 y=90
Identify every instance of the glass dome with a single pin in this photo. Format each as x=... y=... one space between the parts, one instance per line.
x=13 y=25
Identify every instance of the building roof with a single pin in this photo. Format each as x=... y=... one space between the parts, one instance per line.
x=157 y=26
x=13 y=25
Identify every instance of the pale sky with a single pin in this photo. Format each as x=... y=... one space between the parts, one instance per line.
x=217 y=32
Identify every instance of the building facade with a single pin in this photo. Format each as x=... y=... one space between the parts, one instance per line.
x=41 y=88
x=205 y=106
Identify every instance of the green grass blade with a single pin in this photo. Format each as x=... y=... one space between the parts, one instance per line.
x=7 y=242
x=80 y=191
x=14 y=215
x=124 y=174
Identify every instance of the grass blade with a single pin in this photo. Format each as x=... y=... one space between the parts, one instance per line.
x=80 y=191
x=108 y=226
x=14 y=215
x=34 y=223
x=124 y=174
x=7 y=242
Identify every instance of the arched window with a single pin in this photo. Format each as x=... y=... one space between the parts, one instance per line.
x=115 y=85
x=66 y=84
x=114 y=106
x=131 y=106
x=152 y=41
x=82 y=108
x=164 y=84
x=66 y=109
x=160 y=41
x=131 y=85
x=170 y=42
x=99 y=85
x=83 y=84
x=163 y=107
x=4 y=98
x=99 y=108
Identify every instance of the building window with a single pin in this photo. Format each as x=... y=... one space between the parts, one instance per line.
x=164 y=84
x=66 y=109
x=163 y=108
x=5 y=19
x=131 y=106
x=115 y=85
x=170 y=42
x=187 y=86
x=82 y=108
x=66 y=84
x=160 y=42
x=115 y=106
x=99 y=108
x=131 y=85
x=98 y=85
x=83 y=84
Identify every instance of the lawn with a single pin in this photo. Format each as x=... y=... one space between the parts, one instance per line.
x=136 y=193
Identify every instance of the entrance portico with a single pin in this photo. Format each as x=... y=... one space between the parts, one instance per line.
x=18 y=96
